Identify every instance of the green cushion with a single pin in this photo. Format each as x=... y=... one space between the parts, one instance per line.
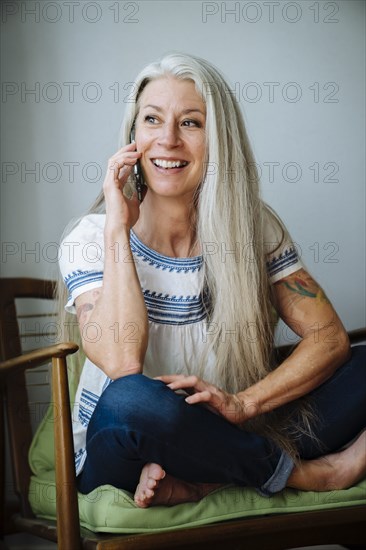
x=110 y=510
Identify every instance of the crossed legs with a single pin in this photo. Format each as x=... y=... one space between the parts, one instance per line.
x=144 y=438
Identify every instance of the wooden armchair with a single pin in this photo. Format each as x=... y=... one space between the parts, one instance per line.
x=344 y=526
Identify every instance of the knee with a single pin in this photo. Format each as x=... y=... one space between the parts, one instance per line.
x=135 y=400
x=132 y=390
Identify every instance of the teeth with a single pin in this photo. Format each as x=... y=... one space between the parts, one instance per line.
x=169 y=163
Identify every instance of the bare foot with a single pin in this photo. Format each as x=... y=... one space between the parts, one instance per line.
x=334 y=471
x=158 y=488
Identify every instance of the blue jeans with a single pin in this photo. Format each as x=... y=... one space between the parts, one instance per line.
x=139 y=420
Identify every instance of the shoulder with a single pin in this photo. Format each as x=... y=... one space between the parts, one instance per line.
x=82 y=247
x=274 y=230
x=87 y=228
x=282 y=256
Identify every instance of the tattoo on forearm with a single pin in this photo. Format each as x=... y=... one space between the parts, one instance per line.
x=302 y=288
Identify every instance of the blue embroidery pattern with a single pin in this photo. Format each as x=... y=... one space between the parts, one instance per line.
x=107 y=382
x=174 y=310
x=78 y=457
x=283 y=261
x=164 y=262
x=80 y=278
x=88 y=402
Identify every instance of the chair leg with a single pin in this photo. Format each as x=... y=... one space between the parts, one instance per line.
x=2 y=461
x=68 y=528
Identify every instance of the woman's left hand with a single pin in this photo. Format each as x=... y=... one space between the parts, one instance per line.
x=218 y=401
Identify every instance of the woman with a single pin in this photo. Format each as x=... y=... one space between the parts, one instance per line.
x=174 y=298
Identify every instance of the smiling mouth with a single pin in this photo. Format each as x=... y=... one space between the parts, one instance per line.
x=167 y=164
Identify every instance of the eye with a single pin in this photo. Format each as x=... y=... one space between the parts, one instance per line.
x=151 y=119
x=190 y=123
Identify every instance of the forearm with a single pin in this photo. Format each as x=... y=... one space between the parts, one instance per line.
x=120 y=312
x=303 y=306
x=312 y=362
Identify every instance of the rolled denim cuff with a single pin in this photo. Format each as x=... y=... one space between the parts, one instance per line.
x=278 y=479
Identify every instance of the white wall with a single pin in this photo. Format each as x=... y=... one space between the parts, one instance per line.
x=312 y=50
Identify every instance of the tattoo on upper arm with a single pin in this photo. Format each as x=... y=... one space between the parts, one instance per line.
x=83 y=309
x=302 y=287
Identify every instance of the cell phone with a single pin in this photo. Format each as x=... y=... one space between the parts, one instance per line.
x=137 y=172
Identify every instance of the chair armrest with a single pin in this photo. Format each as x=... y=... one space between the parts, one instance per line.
x=37 y=357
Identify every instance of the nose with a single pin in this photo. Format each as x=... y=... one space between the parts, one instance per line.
x=169 y=135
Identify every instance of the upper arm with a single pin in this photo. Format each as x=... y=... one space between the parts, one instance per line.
x=305 y=308
x=81 y=261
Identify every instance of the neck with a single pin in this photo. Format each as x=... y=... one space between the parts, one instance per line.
x=167 y=226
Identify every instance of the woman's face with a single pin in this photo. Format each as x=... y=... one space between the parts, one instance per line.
x=170 y=134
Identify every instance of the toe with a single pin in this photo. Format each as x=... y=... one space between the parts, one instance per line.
x=156 y=471
x=149 y=493
x=151 y=483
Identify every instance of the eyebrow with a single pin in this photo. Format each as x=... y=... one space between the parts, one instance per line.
x=185 y=112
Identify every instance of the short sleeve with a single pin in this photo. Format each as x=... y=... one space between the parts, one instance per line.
x=81 y=258
x=282 y=257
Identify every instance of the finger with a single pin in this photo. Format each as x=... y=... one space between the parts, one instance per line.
x=189 y=382
x=116 y=179
x=115 y=169
x=199 y=397
x=121 y=175
x=169 y=378
x=129 y=147
x=118 y=161
x=117 y=174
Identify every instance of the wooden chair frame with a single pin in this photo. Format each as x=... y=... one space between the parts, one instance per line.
x=344 y=526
